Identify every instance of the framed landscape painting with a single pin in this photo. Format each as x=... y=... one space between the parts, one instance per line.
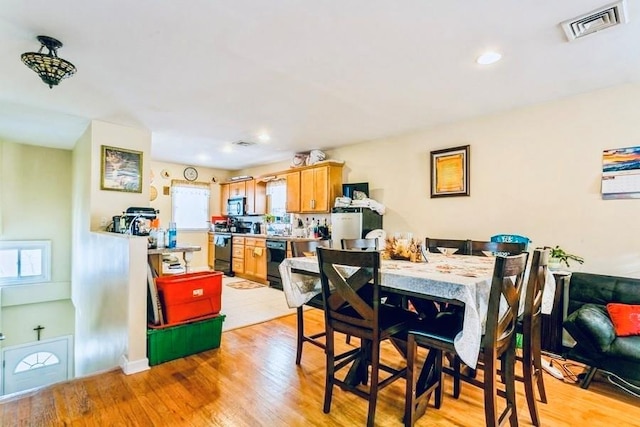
x=121 y=170
x=450 y=172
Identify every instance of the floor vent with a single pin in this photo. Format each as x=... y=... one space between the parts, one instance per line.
x=605 y=17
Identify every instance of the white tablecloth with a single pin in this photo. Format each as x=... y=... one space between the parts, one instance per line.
x=459 y=277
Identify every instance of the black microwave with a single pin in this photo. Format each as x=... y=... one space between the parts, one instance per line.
x=236 y=206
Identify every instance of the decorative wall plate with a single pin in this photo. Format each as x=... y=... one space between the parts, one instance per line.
x=153 y=193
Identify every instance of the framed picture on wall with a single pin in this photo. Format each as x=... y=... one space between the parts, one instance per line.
x=450 y=172
x=121 y=170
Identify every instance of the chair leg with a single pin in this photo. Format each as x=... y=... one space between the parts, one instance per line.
x=300 y=321
x=373 y=389
x=456 y=376
x=410 y=395
x=536 y=354
x=510 y=384
x=490 y=392
x=529 y=374
x=588 y=377
x=330 y=371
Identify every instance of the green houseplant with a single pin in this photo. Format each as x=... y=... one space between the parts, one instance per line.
x=559 y=256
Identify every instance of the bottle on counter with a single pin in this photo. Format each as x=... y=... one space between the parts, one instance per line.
x=316 y=231
x=161 y=238
x=172 y=235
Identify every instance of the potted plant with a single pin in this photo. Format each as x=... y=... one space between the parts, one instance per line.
x=558 y=256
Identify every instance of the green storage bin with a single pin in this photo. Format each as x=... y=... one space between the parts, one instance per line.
x=174 y=342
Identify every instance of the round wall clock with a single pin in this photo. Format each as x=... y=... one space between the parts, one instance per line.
x=190 y=174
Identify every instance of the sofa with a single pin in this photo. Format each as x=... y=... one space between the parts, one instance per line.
x=590 y=324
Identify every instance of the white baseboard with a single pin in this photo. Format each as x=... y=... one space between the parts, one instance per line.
x=133 y=367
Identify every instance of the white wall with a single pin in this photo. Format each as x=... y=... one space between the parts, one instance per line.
x=109 y=270
x=534 y=171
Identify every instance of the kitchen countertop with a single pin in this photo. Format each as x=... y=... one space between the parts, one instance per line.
x=267 y=236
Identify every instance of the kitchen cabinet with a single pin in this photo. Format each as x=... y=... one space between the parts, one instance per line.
x=319 y=186
x=256 y=192
x=237 y=257
x=293 y=191
x=211 y=251
x=224 y=196
x=238 y=189
x=255 y=259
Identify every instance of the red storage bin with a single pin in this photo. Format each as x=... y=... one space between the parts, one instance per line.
x=190 y=296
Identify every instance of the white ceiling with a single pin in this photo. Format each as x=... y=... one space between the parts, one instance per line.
x=200 y=74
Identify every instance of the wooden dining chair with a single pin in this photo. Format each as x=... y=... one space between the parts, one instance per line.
x=363 y=244
x=529 y=325
x=300 y=249
x=463 y=246
x=498 y=343
x=344 y=275
x=481 y=248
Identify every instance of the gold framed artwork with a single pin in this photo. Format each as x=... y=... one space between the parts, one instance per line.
x=450 y=172
x=121 y=170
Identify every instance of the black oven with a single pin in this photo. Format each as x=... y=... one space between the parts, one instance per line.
x=223 y=253
x=276 y=253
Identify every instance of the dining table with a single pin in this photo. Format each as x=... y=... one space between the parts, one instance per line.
x=462 y=280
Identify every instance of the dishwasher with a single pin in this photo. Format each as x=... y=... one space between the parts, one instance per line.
x=223 y=253
x=276 y=253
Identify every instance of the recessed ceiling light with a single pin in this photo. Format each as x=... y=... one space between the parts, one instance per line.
x=227 y=148
x=488 y=58
x=263 y=137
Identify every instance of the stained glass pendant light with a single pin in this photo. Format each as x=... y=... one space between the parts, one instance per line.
x=49 y=66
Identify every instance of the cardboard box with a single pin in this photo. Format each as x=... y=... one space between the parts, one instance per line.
x=166 y=343
x=190 y=296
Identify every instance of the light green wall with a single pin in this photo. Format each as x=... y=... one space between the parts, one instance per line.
x=36 y=205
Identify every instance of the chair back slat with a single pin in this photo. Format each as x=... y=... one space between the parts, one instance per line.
x=535 y=284
x=363 y=244
x=343 y=275
x=463 y=246
x=506 y=284
x=308 y=248
x=482 y=248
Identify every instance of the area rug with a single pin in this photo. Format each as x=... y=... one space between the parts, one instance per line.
x=246 y=284
x=245 y=307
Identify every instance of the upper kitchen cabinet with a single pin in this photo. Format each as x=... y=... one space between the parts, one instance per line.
x=238 y=189
x=224 y=196
x=256 y=192
x=293 y=191
x=319 y=186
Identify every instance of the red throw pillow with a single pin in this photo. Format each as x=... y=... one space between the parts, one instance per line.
x=625 y=318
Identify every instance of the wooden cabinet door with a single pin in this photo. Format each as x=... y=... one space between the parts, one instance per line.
x=237 y=189
x=307 y=189
x=321 y=189
x=250 y=190
x=293 y=191
x=224 y=196
x=211 y=252
x=249 y=261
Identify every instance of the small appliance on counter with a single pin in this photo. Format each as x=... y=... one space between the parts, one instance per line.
x=135 y=221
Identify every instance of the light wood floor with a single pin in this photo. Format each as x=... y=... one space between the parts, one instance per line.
x=252 y=380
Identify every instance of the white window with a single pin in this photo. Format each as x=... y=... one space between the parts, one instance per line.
x=278 y=192
x=190 y=205
x=25 y=262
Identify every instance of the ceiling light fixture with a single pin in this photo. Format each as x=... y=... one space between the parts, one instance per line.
x=488 y=58
x=263 y=137
x=49 y=66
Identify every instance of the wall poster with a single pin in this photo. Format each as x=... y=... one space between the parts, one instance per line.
x=621 y=173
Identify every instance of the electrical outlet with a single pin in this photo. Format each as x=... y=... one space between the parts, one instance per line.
x=103 y=221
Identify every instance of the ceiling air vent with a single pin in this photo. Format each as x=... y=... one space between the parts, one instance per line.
x=244 y=143
x=605 y=17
